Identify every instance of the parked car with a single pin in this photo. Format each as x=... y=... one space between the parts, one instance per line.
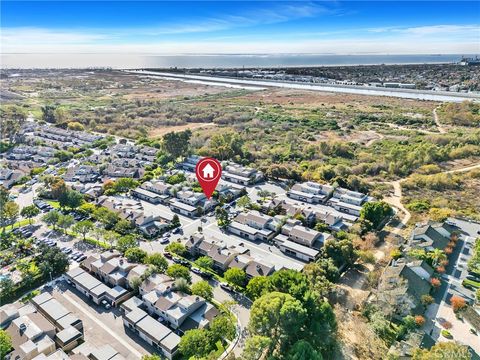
x=196 y=270
x=81 y=257
x=168 y=255
x=164 y=241
x=226 y=286
x=177 y=260
x=176 y=230
x=473 y=278
x=67 y=250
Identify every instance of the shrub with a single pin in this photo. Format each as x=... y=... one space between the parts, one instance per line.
x=458 y=303
x=419 y=320
x=427 y=299
x=435 y=282
x=446 y=334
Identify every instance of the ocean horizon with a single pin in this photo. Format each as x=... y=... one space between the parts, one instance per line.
x=135 y=61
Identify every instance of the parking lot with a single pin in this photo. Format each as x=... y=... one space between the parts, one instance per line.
x=456 y=271
x=101 y=326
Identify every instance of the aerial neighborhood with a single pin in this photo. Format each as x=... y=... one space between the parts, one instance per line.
x=111 y=248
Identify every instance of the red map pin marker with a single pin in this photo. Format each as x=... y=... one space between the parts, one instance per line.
x=208 y=171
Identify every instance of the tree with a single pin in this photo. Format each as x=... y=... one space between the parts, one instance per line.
x=203 y=289
x=83 y=227
x=222 y=328
x=65 y=221
x=136 y=255
x=70 y=198
x=182 y=285
x=109 y=236
x=10 y=212
x=195 y=343
x=435 y=282
x=255 y=347
x=159 y=261
x=257 y=287
x=235 y=276
x=341 y=252
x=222 y=217
x=395 y=254
x=5 y=344
x=124 y=227
x=48 y=113
x=177 y=143
x=458 y=303
x=243 y=202
x=135 y=283
x=175 y=221
x=375 y=212
x=106 y=217
x=277 y=316
x=303 y=350
x=52 y=218
x=204 y=262
x=436 y=256
x=179 y=271
x=176 y=248
x=30 y=212
x=126 y=242
x=51 y=260
x=427 y=299
x=443 y=350
x=7 y=287
x=12 y=118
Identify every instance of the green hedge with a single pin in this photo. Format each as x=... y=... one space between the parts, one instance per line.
x=471 y=283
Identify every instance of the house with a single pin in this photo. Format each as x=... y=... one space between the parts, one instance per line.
x=183 y=208
x=310 y=192
x=405 y=349
x=157 y=187
x=402 y=286
x=303 y=235
x=153 y=332
x=252 y=266
x=31 y=335
x=217 y=250
x=9 y=177
x=97 y=291
x=82 y=173
x=254 y=226
x=56 y=313
x=431 y=236
x=238 y=174
x=190 y=163
x=348 y=201
x=147 y=195
x=294 y=249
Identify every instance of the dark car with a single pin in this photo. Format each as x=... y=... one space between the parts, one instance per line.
x=168 y=255
x=177 y=260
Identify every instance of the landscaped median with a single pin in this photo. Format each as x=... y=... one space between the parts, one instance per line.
x=471 y=283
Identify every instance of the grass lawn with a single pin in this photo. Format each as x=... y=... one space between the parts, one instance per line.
x=17 y=225
x=471 y=283
x=54 y=204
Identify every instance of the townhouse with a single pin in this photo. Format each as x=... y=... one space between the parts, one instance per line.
x=311 y=192
x=402 y=286
x=152 y=331
x=431 y=236
x=96 y=290
x=154 y=191
x=348 y=201
x=132 y=211
x=225 y=257
x=190 y=163
x=190 y=203
x=238 y=174
x=9 y=177
x=82 y=173
x=254 y=226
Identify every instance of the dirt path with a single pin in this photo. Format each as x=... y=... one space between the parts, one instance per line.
x=396 y=199
x=441 y=129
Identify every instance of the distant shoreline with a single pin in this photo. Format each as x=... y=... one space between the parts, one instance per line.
x=138 y=61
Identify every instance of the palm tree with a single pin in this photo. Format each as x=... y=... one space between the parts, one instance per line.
x=437 y=256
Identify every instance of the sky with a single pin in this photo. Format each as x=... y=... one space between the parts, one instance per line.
x=247 y=27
